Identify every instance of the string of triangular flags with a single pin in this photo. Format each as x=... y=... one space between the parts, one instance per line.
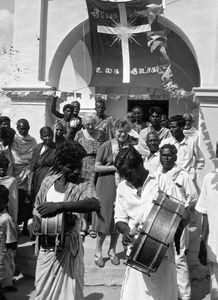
x=170 y=90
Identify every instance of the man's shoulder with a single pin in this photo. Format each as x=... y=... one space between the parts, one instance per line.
x=211 y=177
x=183 y=174
x=38 y=146
x=8 y=180
x=169 y=140
x=85 y=183
x=6 y=218
x=122 y=185
x=165 y=133
x=144 y=131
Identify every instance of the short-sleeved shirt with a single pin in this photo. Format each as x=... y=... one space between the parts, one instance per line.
x=133 y=209
x=208 y=204
x=152 y=163
x=183 y=182
x=189 y=155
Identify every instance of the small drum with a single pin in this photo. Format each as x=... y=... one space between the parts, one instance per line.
x=149 y=248
x=53 y=227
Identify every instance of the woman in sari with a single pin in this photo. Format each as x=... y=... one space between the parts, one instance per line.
x=106 y=191
x=43 y=162
x=60 y=271
x=22 y=149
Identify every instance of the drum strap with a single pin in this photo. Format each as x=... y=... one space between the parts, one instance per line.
x=153 y=238
x=166 y=208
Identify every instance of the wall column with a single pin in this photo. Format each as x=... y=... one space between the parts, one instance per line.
x=207 y=99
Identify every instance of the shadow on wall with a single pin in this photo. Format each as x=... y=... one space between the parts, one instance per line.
x=207 y=141
x=94 y=296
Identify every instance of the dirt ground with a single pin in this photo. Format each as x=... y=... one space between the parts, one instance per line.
x=25 y=285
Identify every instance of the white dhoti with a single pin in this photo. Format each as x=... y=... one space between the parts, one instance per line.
x=182 y=271
x=60 y=276
x=159 y=286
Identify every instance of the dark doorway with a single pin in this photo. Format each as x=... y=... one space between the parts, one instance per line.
x=147 y=104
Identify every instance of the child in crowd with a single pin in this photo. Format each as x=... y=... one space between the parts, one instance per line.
x=8 y=243
x=11 y=184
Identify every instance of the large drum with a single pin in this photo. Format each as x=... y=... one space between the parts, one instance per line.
x=152 y=243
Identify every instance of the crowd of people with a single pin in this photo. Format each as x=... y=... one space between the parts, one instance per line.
x=98 y=176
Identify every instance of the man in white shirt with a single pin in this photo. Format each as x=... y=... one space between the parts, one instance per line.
x=185 y=185
x=189 y=130
x=133 y=204
x=155 y=121
x=189 y=155
x=152 y=160
x=207 y=205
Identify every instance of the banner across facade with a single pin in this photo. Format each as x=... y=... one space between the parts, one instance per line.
x=122 y=53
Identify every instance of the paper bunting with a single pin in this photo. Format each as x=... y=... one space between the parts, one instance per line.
x=152 y=11
x=158 y=40
x=174 y=90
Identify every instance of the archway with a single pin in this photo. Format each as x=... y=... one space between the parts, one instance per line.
x=183 y=56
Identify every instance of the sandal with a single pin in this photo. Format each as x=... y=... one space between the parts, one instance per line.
x=99 y=261
x=93 y=234
x=114 y=259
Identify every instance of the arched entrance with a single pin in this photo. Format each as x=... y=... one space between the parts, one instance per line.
x=183 y=60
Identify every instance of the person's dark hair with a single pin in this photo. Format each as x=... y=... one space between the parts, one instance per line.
x=4 y=193
x=126 y=160
x=45 y=128
x=169 y=146
x=5 y=119
x=155 y=109
x=4 y=162
x=70 y=152
x=66 y=106
x=100 y=101
x=75 y=102
x=7 y=135
x=23 y=121
x=179 y=119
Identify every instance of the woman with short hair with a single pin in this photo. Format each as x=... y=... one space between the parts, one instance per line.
x=91 y=139
x=106 y=191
